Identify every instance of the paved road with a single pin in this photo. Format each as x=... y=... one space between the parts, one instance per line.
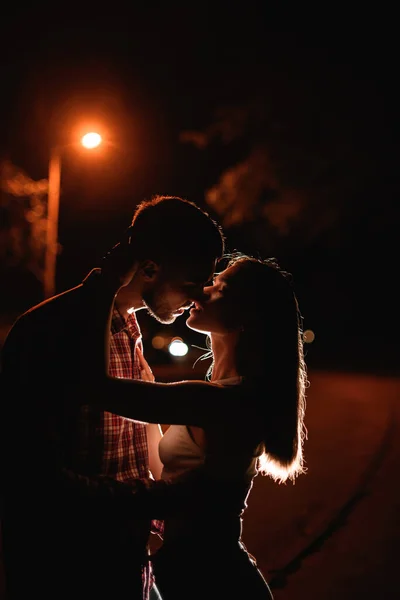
x=336 y=532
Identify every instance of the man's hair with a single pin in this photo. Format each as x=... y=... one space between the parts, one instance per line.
x=174 y=231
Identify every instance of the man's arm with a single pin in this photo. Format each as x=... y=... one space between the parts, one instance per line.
x=144 y=497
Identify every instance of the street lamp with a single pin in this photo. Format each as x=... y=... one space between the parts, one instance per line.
x=89 y=141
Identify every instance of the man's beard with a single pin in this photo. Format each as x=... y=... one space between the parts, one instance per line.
x=159 y=311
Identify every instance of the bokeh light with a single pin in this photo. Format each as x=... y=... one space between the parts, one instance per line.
x=178 y=347
x=158 y=342
x=308 y=336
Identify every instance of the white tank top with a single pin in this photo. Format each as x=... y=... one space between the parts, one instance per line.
x=180 y=453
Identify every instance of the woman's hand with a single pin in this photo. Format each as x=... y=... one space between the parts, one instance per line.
x=145 y=372
x=154 y=431
x=118 y=266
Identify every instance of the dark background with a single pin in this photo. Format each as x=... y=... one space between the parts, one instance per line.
x=310 y=108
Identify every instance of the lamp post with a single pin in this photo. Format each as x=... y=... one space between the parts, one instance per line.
x=90 y=140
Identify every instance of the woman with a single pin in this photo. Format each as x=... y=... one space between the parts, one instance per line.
x=247 y=420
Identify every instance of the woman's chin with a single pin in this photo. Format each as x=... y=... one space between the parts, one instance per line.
x=193 y=323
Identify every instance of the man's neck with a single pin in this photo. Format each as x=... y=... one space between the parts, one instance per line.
x=128 y=300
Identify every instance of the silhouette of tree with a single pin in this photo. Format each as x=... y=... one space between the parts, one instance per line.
x=302 y=129
x=23 y=209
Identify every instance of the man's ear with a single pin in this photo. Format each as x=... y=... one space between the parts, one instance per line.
x=149 y=269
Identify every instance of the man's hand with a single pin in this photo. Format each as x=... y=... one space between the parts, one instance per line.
x=119 y=266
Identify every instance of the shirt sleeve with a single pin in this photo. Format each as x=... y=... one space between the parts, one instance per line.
x=157 y=526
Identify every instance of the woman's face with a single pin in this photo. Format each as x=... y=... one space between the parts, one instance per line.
x=216 y=310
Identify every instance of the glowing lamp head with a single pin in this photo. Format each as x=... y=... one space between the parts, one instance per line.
x=177 y=347
x=91 y=140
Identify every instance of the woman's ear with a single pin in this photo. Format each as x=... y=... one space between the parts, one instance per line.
x=149 y=269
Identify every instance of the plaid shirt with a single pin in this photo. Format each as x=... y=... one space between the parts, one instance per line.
x=112 y=445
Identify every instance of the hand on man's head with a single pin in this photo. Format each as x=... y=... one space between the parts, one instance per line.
x=118 y=265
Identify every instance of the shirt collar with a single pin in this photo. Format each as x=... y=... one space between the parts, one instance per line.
x=130 y=323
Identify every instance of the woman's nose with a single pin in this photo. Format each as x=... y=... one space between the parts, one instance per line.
x=206 y=294
x=202 y=295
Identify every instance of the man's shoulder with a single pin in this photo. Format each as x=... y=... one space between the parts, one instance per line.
x=69 y=296
x=21 y=322
x=59 y=308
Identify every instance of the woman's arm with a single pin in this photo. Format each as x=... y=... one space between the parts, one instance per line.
x=182 y=403
x=154 y=435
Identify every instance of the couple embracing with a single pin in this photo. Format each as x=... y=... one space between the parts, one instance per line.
x=87 y=473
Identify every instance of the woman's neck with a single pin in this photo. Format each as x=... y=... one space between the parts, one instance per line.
x=223 y=349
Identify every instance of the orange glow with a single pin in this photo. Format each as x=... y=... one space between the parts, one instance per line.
x=91 y=140
x=308 y=336
x=158 y=342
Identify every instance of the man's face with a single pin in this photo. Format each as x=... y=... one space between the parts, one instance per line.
x=172 y=292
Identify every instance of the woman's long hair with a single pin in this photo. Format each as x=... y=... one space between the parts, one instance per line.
x=270 y=358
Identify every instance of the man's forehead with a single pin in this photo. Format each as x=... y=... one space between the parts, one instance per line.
x=199 y=273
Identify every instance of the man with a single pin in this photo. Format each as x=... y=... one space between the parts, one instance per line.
x=86 y=460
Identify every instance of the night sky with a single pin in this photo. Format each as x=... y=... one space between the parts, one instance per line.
x=320 y=102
